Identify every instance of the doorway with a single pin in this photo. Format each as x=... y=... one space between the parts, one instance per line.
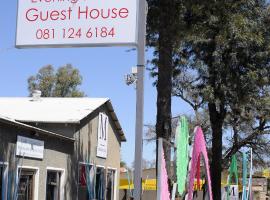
x=26 y=184
x=92 y=182
x=1 y=179
x=53 y=185
x=111 y=185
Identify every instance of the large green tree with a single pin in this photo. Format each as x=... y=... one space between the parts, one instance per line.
x=62 y=82
x=221 y=49
x=226 y=45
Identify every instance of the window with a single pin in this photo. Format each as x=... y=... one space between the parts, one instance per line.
x=110 y=188
x=53 y=185
x=26 y=184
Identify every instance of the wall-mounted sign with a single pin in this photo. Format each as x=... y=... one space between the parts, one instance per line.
x=102 y=135
x=76 y=23
x=28 y=147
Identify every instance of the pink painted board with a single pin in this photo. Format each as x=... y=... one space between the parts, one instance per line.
x=199 y=148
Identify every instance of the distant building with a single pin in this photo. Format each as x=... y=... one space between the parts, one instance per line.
x=260 y=187
x=148 y=184
x=59 y=149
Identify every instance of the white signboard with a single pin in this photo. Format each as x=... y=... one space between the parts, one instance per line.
x=76 y=23
x=102 y=135
x=28 y=147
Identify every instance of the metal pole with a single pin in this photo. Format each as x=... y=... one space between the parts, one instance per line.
x=159 y=181
x=250 y=175
x=139 y=100
x=174 y=191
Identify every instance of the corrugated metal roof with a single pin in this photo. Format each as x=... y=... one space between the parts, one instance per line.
x=49 y=110
x=54 y=110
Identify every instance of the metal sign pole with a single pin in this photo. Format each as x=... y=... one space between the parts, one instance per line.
x=139 y=100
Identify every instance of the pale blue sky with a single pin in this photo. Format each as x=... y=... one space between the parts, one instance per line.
x=103 y=71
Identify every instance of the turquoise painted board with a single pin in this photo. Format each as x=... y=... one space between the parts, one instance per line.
x=182 y=154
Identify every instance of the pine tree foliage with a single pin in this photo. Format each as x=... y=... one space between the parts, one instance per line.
x=219 y=55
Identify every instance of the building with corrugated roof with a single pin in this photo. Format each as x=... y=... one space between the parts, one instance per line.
x=59 y=149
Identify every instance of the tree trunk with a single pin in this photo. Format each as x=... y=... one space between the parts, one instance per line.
x=164 y=90
x=164 y=81
x=216 y=120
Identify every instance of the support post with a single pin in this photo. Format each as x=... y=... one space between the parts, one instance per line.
x=139 y=100
x=250 y=194
x=159 y=181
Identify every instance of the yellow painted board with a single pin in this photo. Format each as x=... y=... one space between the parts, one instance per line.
x=149 y=184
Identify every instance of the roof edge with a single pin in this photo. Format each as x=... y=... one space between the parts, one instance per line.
x=116 y=121
x=29 y=127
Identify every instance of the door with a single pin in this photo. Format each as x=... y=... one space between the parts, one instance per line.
x=53 y=185
x=26 y=184
x=110 y=186
x=1 y=179
x=86 y=184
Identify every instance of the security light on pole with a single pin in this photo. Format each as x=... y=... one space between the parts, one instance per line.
x=132 y=77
